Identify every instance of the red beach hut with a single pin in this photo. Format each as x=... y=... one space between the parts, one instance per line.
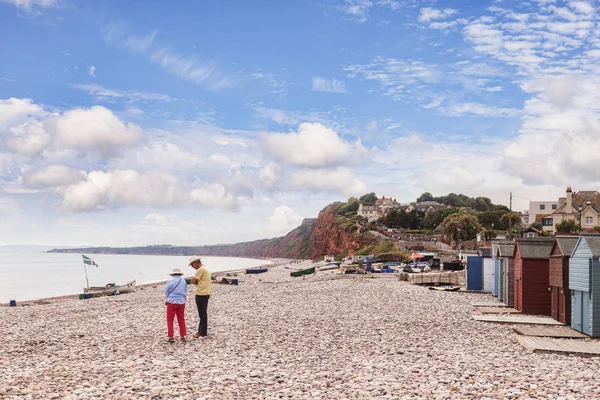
x=559 y=278
x=531 y=259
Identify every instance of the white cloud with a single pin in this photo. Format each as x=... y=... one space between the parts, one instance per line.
x=156 y=218
x=324 y=85
x=277 y=86
x=28 y=139
x=283 y=220
x=191 y=70
x=339 y=181
x=429 y=14
x=92 y=70
x=119 y=35
x=52 y=176
x=314 y=145
x=269 y=174
x=30 y=5
x=93 y=129
x=134 y=111
x=102 y=93
x=14 y=111
x=443 y=25
x=558 y=138
x=358 y=10
x=397 y=77
x=482 y=110
x=214 y=195
x=582 y=7
x=122 y=188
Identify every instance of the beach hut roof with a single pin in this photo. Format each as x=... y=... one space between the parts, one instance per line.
x=485 y=252
x=566 y=244
x=504 y=248
x=593 y=242
x=535 y=248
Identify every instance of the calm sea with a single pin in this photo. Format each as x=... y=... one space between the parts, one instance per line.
x=31 y=276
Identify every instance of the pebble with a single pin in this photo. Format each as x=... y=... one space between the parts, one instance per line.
x=273 y=336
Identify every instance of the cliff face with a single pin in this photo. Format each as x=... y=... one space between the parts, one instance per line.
x=296 y=244
x=330 y=233
x=329 y=237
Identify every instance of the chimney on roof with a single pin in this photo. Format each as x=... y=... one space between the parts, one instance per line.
x=569 y=206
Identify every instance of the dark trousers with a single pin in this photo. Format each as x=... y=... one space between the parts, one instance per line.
x=202 y=304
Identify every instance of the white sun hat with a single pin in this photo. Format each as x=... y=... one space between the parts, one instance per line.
x=176 y=271
x=195 y=258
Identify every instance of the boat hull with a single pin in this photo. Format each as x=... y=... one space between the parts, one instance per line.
x=111 y=289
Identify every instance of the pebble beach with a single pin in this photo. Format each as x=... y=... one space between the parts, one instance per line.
x=323 y=336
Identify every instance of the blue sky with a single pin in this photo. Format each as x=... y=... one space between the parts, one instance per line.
x=125 y=123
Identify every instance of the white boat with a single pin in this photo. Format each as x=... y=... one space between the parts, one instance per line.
x=111 y=289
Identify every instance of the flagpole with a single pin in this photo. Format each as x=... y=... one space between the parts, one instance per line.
x=86 y=277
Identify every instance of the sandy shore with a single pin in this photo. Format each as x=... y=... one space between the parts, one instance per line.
x=273 y=336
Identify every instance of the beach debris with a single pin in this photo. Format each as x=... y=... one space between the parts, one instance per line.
x=428 y=278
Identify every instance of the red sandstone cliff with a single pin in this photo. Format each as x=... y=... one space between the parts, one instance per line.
x=328 y=237
x=330 y=233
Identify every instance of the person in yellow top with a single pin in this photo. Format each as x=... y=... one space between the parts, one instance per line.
x=201 y=280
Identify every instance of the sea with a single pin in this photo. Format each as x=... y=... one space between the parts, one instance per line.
x=32 y=276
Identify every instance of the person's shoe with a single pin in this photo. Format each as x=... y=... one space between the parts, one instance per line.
x=199 y=335
x=170 y=340
x=183 y=339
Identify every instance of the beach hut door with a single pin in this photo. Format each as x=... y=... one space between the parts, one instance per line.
x=501 y=281
x=475 y=273
x=580 y=316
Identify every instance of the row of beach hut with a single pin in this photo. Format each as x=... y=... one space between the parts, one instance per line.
x=559 y=277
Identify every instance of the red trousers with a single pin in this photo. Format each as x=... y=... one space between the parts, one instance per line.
x=172 y=311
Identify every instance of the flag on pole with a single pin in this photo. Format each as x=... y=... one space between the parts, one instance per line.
x=89 y=261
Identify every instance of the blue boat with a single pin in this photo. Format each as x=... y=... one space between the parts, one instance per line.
x=256 y=270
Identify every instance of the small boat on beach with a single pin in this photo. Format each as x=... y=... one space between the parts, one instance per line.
x=256 y=270
x=111 y=289
x=302 y=272
x=329 y=266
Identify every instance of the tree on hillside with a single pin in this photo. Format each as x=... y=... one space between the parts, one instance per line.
x=536 y=225
x=425 y=197
x=516 y=222
x=567 y=226
x=482 y=204
x=402 y=219
x=492 y=218
x=368 y=199
x=351 y=206
x=461 y=226
x=433 y=219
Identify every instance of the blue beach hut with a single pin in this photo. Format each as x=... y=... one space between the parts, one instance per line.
x=506 y=272
x=584 y=282
x=500 y=263
x=495 y=276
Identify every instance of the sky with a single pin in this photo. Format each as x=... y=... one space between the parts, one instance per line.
x=135 y=123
